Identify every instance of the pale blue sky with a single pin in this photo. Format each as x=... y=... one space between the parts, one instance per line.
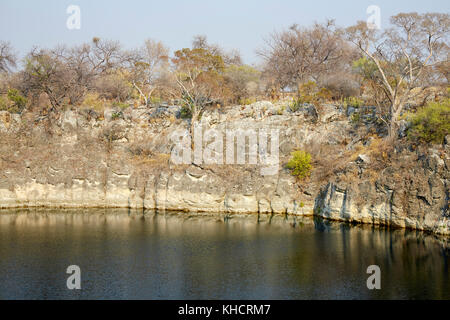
x=241 y=24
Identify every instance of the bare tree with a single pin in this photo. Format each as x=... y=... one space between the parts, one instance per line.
x=299 y=54
x=46 y=72
x=65 y=74
x=403 y=55
x=148 y=65
x=230 y=57
x=243 y=81
x=7 y=57
x=105 y=55
x=76 y=61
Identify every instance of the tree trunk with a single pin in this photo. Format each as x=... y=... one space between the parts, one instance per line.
x=396 y=110
x=194 y=119
x=393 y=127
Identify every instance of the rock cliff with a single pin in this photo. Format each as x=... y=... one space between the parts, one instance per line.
x=122 y=158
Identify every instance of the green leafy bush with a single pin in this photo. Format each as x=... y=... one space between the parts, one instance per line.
x=185 y=112
x=154 y=100
x=430 y=123
x=246 y=101
x=365 y=68
x=280 y=110
x=116 y=115
x=353 y=102
x=18 y=100
x=120 y=105
x=300 y=164
x=295 y=105
x=355 y=118
x=12 y=102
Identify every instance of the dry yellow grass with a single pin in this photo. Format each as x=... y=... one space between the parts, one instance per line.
x=156 y=160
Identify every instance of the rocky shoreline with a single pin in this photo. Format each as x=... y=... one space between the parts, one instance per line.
x=121 y=159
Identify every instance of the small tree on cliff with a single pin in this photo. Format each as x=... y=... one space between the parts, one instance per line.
x=404 y=55
x=150 y=62
x=46 y=73
x=199 y=75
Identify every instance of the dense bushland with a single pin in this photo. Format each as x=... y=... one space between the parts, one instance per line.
x=394 y=70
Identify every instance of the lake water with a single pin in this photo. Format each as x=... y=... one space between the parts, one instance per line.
x=128 y=255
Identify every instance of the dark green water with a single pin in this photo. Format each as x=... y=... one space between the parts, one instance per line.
x=125 y=256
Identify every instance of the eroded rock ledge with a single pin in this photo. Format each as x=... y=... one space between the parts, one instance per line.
x=89 y=160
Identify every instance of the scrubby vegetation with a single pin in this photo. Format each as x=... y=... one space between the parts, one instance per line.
x=431 y=123
x=13 y=102
x=308 y=66
x=300 y=164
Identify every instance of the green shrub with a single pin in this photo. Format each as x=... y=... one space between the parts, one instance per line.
x=355 y=118
x=300 y=101
x=430 y=123
x=116 y=115
x=295 y=105
x=18 y=100
x=120 y=105
x=353 y=102
x=246 y=101
x=280 y=110
x=154 y=100
x=185 y=112
x=300 y=164
x=12 y=102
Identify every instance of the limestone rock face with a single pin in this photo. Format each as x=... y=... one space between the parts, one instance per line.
x=89 y=160
x=416 y=198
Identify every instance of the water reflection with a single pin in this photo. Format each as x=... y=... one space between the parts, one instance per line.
x=132 y=255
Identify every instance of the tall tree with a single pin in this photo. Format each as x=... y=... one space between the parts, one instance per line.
x=298 y=55
x=149 y=64
x=403 y=55
x=199 y=75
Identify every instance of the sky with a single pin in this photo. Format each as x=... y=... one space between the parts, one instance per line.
x=241 y=24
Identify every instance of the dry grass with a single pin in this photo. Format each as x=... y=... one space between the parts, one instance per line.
x=154 y=160
x=94 y=102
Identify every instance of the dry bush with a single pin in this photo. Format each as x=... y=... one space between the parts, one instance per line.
x=327 y=159
x=341 y=85
x=93 y=101
x=296 y=55
x=141 y=149
x=380 y=152
x=156 y=161
x=113 y=86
